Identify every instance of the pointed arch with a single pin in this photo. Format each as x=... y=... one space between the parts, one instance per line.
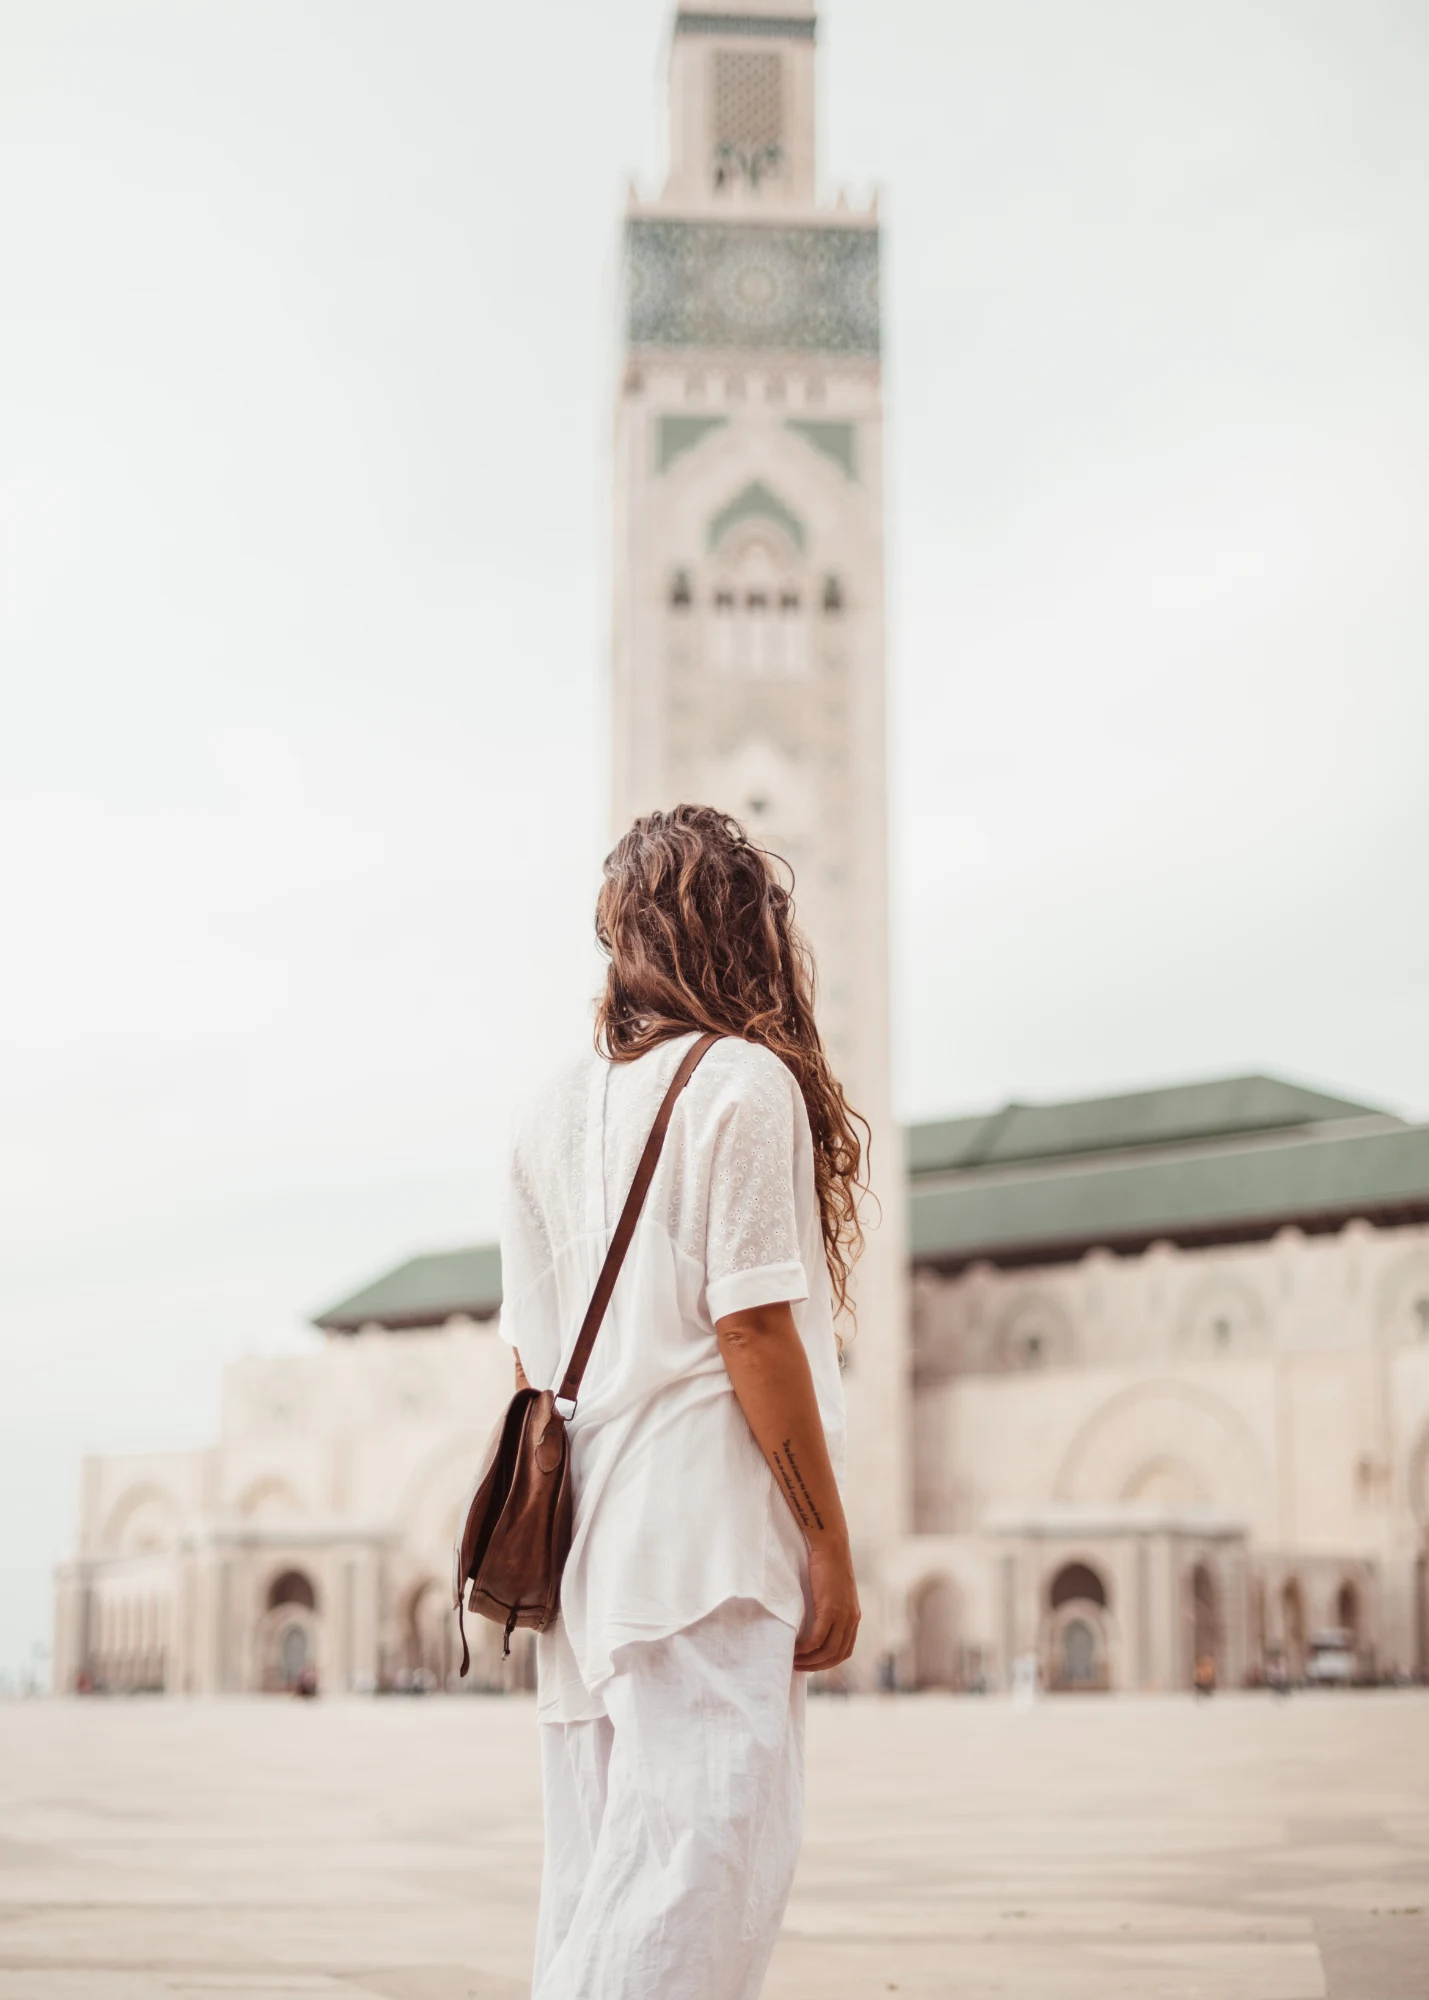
x=756 y=501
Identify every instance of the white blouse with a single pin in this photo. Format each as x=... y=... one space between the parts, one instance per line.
x=676 y=1509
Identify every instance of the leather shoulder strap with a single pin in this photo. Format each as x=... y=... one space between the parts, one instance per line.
x=629 y=1216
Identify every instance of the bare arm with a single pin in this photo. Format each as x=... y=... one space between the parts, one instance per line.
x=769 y=1371
x=521 y=1382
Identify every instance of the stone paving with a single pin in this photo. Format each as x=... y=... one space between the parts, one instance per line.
x=1090 y=1849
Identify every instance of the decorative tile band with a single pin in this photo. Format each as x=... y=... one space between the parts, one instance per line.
x=810 y=288
x=781 y=27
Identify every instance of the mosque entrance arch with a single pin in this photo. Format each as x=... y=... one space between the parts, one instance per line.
x=1079 y=1661
x=290 y=1635
x=1076 y=1649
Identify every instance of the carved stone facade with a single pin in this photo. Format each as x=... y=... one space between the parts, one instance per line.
x=1251 y=1416
x=314 y=1538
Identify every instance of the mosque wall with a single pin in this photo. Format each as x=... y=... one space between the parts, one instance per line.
x=317 y=1535
x=1273 y=1396
x=1240 y=1491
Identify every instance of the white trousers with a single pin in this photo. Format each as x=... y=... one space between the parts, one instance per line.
x=673 y=1823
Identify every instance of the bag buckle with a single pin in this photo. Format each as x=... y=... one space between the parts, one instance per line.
x=564 y=1406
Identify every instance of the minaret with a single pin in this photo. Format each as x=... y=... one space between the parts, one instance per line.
x=748 y=587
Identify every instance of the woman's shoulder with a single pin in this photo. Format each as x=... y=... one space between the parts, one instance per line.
x=751 y=1074
x=553 y=1097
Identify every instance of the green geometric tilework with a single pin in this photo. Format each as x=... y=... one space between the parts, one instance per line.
x=835 y=441
x=781 y=27
x=676 y=434
x=805 y=289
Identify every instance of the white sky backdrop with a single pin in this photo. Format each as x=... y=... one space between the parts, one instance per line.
x=305 y=366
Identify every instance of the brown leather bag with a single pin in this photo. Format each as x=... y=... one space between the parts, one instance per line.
x=517 y=1535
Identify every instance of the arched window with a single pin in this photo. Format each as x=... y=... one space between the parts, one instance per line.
x=292 y=1587
x=681 y=596
x=1077 y=1583
x=757 y=626
x=833 y=595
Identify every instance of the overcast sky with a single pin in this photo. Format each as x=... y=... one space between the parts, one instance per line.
x=305 y=369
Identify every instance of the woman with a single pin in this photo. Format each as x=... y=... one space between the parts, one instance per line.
x=710 y=1562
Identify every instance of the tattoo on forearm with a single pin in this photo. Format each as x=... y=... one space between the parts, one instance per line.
x=800 y=1499
x=794 y=1501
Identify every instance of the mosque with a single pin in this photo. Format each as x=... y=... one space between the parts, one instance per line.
x=1140 y=1383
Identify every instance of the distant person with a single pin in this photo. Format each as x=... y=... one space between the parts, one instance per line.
x=1204 y=1676
x=710 y=1566
x=1026 y=1680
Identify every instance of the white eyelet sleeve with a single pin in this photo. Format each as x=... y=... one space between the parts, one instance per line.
x=752 y=1232
x=529 y=1307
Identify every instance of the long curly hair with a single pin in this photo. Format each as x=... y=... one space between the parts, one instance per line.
x=699 y=929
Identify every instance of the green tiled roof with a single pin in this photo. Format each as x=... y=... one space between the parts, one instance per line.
x=1181 y=1113
x=1206 y=1193
x=1201 y=1162
x=424 y=1292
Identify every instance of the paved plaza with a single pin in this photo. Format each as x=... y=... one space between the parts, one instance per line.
x=1090 y=1849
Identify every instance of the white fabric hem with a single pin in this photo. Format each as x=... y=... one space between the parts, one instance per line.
x=770 y=1285
x=575 y=1699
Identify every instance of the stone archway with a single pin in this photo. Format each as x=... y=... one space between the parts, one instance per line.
x=1167 y=1437
x=1076 y=1649
x=143 y=1521
x=271 y=1498
x=936 y=1623
x=1165 y=1481
x=290 y=1635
